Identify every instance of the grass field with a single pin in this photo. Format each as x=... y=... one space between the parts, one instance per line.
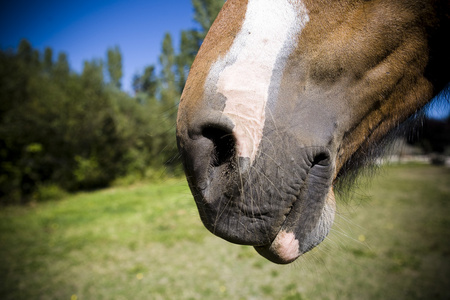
x=146 y=242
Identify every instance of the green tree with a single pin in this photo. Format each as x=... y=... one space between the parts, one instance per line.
x=146 y=83
x=92 y=75
x=25 y=52
x=48 y=59
x=61 y=68
x=169 y=88
x=114 y=62
x=58 y=127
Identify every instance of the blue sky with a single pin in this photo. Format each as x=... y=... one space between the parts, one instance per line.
x=85 y=29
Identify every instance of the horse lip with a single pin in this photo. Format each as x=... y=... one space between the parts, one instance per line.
x=272 y=251
x=275 y=251
x=292 y=239
x=283 y=250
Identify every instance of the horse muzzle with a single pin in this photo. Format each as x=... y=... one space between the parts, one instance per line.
x=281 y=203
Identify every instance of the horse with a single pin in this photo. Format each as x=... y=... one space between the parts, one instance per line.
x=285 y=97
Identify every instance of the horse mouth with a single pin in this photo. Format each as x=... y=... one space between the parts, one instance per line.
x=306 y=225
x=292 y=242
x=282 y=215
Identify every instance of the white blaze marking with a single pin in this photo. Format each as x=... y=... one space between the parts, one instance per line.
x=269 y=32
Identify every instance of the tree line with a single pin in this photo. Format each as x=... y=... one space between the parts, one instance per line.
x=67 y=131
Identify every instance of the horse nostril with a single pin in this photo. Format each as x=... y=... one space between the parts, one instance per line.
x=321 y=159
x=224 y=145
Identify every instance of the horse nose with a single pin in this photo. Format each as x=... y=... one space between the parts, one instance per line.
x=208 y=144
x=223 y=144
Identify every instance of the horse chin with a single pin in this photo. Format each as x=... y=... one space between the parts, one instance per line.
x=283 y=250
x=290 y=243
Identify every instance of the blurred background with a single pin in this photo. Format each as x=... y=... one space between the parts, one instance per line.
x=93 y=204
x=89 y=91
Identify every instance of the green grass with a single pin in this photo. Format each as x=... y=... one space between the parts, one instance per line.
x=147 y=242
